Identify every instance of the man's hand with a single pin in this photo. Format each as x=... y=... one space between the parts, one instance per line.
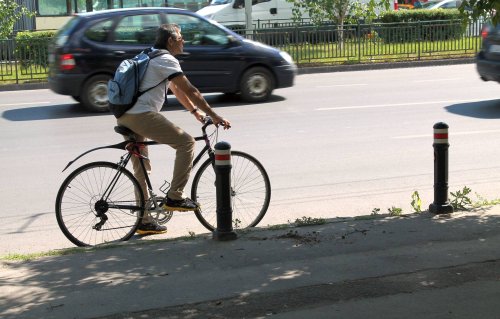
x=200 y=115
x=221 y=121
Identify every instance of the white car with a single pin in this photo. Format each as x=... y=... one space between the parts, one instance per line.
x=441 y=4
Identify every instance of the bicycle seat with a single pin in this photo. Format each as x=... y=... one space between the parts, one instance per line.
x=125 y=131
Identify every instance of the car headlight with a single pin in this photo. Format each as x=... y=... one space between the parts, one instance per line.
x=286 y=57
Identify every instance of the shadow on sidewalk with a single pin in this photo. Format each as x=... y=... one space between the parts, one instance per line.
x=125 y=275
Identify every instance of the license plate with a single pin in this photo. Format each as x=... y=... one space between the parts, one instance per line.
x=495 y=48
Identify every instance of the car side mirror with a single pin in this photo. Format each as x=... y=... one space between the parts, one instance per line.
x=239 y=4
x=232 y=41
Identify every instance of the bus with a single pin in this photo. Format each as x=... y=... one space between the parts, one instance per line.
x=52 y=14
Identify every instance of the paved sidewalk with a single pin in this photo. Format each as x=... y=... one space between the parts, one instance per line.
x=419 y=266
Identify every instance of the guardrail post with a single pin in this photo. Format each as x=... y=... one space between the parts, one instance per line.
x=441 y=205
x=224 y=230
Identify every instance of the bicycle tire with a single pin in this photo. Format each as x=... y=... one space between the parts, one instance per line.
x=76 y=204
x=250 y=192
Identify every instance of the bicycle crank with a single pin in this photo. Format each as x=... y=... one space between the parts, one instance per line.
x=163 y=216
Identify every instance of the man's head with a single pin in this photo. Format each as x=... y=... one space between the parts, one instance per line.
x=169 y=37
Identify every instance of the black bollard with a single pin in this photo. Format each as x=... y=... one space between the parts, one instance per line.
x=224 y=230
x=441 y=205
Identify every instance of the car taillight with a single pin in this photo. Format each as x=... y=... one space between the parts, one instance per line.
x=67 y=62
x=484 y=32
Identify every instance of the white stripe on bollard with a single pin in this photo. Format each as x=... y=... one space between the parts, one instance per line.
x=441 y=136
x=222 y=157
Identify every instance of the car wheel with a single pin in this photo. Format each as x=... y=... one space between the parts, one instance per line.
x=256 y=85
x=95 y=93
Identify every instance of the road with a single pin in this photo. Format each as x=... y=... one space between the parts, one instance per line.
x=336 y=144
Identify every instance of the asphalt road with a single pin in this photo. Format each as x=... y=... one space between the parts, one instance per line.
x=336 y=144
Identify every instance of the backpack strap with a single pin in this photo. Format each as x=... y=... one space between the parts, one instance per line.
x=153 y=54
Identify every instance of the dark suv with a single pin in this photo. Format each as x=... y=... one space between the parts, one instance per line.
x=88 y=48
x=488 y=59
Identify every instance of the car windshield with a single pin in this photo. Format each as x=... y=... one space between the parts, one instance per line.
x=219 y=2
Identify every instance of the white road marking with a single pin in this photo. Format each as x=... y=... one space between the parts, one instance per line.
x=437 y=80
x=451 y=134
x=338 y=85
x=25 y=103
x=396 y=104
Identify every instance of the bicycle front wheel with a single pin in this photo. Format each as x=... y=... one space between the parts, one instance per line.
x=250 y=192
x=99 y=203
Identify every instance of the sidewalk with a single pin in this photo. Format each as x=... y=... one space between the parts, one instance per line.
x=419 y=266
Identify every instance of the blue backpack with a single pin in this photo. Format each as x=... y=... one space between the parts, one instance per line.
x=123 y=89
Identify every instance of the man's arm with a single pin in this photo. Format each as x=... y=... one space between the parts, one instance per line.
x=191 y=99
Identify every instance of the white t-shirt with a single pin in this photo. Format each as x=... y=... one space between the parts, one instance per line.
x=164 y=67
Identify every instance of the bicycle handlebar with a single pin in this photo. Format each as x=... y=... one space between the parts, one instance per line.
x=208 y=121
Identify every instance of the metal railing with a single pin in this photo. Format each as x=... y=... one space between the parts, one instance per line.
x=22 y=62
x=363 y=43
x=308 y=45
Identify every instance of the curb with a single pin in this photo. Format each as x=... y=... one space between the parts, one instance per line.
x=379 y=66
x=301 y=70
x=27 y=86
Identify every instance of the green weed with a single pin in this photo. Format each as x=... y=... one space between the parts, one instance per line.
x=460 y=199
x=416 y=202
x=308 y=221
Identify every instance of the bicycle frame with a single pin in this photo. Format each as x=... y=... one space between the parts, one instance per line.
x=123 y=146
x=133 y=149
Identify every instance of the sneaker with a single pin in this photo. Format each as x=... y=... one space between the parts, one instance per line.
x=151 y=229
x=185 y=204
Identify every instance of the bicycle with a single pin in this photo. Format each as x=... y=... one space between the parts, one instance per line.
x=102 y=202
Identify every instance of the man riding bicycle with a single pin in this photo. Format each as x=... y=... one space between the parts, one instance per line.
x=145 y=119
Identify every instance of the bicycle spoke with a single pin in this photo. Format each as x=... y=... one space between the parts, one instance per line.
x=80 y=206
x=250 y=192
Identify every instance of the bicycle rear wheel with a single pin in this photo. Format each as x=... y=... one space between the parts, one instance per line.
x=250 y=192
x=88 y=219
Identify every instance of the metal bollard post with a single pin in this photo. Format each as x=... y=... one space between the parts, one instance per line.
x=224 y=230
x=441 y=205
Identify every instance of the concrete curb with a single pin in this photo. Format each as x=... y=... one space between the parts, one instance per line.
x=301 y=70
x=26 y=86
x=379 y=66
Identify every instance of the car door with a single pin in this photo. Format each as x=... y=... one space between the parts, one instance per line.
x=211 y=60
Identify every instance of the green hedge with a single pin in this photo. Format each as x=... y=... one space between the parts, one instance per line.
x=32 y=47
x=417 y=15
x=422 y=24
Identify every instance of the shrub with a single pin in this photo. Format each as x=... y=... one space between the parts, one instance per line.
x=32 y=47
x=421 y=24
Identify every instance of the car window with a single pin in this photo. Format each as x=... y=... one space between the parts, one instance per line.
x=450 y=5
x=430 y=3
x=198 y=32
x=63 y=34
x=137 y=29
x=99 y=31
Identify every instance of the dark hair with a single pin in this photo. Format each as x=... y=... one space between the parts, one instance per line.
x=165 y=32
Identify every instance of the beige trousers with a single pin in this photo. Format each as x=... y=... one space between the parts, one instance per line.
x=156 y=127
